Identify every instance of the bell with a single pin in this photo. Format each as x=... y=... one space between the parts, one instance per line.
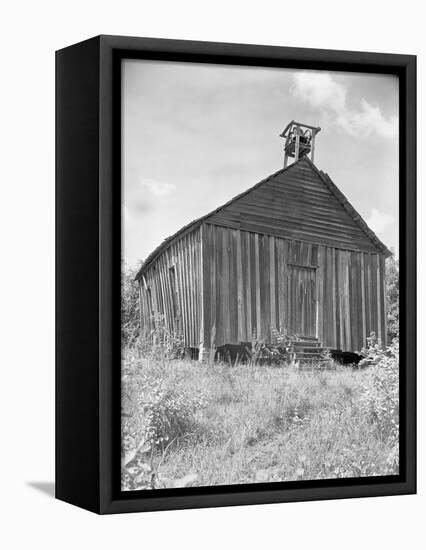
x=299 y=141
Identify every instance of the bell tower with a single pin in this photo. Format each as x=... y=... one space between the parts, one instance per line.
x=299 y=141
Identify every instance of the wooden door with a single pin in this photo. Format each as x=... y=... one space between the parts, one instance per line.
x=302 y=301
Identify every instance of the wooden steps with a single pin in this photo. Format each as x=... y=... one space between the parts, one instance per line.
x=308 y=350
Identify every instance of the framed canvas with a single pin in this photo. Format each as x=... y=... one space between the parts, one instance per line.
x=236 y=282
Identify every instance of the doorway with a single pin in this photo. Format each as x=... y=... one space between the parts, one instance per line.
x=302 y=300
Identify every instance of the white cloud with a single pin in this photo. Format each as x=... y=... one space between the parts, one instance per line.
x=146 y=196
x=158 y=188
x=321 y=90
x=379 y=221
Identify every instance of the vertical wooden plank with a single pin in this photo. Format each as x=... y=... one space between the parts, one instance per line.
x=147 y=309
x=383 y=299
x=240 y=291
x=326 y=340
x=225 y=289
x=150 y=306
x=145 y=327
x=198 y=286
x=171 y=297
x=289 y=284
x=320 y=292
x=314 y=255
x=280 y=283
x=343 y=267
x=187 y=257
x=213 y=269
x=353 y=309
x=370 y=296
x=219 y=287
x=262 y=285
x=257 y=286
x=159 y=290
x=339 y=296
x=333 y=292
x=363 y=302
x=194 y=334
x=277 y=274
x=141 y=310
x=359 y=301
x=347 y=302
x=163 y=290
x=366 y=296
x=249 y=290
x=379 y=302
x=355 y=304
x=204 y=286
x=197 y=289
x=193 y=282
x=252 y=285
x=153 y=287
x=272 y=289
x=373 y=304
x=179 y=288
x=233 y=295
x=182 y=246
x=265 y=297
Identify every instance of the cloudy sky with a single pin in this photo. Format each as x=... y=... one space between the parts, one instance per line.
x=196 y=135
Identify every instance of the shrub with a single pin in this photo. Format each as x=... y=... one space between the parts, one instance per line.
x=130 y=323
x=380 y=399
x=279 y=352
x=161 y=343
x=392 y=297
x=156 y=417
x=167 y=414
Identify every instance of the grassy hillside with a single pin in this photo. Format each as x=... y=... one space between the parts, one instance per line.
x=191 y=424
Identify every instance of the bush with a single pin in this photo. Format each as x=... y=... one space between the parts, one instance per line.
x=279 y=352
x=155 y=417
x=130 y=322
x=161 y=344
x=392 y=297
x=380 y=399
x=166 y=414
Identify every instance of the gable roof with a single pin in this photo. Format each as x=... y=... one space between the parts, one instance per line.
x=305 y=162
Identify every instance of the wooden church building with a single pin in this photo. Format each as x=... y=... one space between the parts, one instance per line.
x=289 y=253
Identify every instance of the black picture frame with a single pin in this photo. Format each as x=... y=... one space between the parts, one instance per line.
x=88 y=242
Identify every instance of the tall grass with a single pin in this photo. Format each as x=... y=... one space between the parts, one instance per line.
x=188 y=423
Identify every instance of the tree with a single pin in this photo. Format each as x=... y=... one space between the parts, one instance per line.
x=130 y=320
x=392 y=297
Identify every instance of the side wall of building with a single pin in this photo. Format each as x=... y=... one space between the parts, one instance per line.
x=171 y=288
x=249 y=283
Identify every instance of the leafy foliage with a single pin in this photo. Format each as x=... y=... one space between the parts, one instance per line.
x=130 y=322
x=221 y=424
x=279 y=352
x=392 y=297
x=161 y=343
x=156 y=414
x=380 y=400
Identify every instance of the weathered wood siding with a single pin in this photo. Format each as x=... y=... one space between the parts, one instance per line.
x=171 y=287
x=296 y=204
x=290 y=253
x=254 y=283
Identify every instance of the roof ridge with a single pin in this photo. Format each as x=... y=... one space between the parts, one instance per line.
x=354 y=214
x=325 y=178
x=200 y=220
